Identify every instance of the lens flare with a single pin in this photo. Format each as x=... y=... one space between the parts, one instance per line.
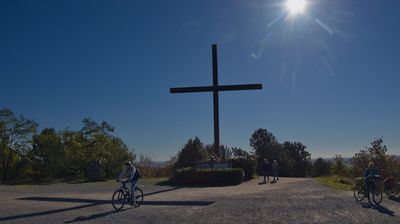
x=296 y=6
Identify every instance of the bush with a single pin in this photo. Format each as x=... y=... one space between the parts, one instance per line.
x=247 y=165
x=320 y=167
x=191 y=176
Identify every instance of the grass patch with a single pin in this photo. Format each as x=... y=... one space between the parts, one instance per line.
x=341 y=183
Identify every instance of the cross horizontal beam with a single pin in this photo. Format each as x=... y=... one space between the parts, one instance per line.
x=218 y=88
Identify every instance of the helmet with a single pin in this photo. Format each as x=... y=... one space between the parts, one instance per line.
x=128 y=163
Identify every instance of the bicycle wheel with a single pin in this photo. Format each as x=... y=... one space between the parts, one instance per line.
x=377 y=195
x=359 y=192
x=390 y=189
x=138 y=197
x=118 y=199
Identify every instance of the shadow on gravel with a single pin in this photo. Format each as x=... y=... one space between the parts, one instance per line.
x=396 y=199
x=163 y=203
x=171 y=183
x=95 y=202
x=379 y=208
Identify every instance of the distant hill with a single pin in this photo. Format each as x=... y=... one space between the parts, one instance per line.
x=158 y=164
x=347 y=160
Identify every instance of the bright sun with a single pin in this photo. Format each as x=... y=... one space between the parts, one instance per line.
x=296 y=6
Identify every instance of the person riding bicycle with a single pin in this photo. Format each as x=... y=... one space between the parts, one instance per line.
x=129 y=171
x=369 y=173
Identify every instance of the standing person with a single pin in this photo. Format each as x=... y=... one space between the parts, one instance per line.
x=369 y=173
x=275 y=171
x=265 y=169
x=128 y=172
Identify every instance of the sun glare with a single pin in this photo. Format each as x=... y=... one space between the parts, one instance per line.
x=296 y=6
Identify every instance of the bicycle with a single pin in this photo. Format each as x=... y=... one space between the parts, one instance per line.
x=375 y=189
x=391 y=188
x=122 y=195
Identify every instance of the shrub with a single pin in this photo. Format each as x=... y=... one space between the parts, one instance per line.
x=320 y=167
x=247 y=165
x=191 y=176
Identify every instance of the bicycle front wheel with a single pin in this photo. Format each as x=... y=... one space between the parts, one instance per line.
x=138 y=197
x=377 y=195
x=118 y=199
x=359 y=192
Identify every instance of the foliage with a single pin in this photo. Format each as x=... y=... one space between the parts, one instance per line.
x=292 y=158
x=191 y=153
x=168 y=169
x=247 y=165
x=265 y=144
x=238 y=153
x=52 y=154
x=221 y=155
x=295 y=160
x=145 y=164
x=191 y=176
x=338 y=167
x=16 y=136
x=320 y=167
x=47 y=155
x=377 y=154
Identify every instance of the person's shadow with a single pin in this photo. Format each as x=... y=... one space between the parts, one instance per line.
x=395 y=198
x=379 y=208
x=263 y=182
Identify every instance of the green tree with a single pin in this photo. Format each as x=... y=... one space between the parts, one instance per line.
x=338 y=167
x=16 y=141
x=265 y=145
x=94 y=142
x=375 y=153
x=47 y=154
x=294 y=159
x=222 y=154
x=192 y=152
x=238 y=153
x=75 y=152
x=320 y=167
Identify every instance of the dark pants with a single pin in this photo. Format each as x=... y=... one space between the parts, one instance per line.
x=275 y=173
x=266 y=177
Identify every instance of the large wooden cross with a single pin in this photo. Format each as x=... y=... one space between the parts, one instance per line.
x=215 y=88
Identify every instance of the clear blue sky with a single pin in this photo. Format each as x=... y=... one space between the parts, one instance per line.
x=331 y=76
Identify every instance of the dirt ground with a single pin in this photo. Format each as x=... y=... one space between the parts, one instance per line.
x=291 y=200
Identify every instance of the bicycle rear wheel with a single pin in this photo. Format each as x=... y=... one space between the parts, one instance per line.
x=359 y=192
x=118 y=199
x=390 y=189
x=138 y=197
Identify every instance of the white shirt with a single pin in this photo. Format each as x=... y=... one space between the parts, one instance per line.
x=129 y=172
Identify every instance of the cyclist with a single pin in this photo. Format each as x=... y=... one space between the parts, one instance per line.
x=129 y=171
x=369 y=173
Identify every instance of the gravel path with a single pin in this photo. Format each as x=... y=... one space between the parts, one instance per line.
x=291 y=200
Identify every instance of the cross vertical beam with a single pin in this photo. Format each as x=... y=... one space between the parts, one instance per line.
x=215 y=96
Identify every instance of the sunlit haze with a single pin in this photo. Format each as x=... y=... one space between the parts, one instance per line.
x=296 y=6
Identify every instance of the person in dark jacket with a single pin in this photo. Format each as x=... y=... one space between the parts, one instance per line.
x=370 y=173
x=265 y=170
